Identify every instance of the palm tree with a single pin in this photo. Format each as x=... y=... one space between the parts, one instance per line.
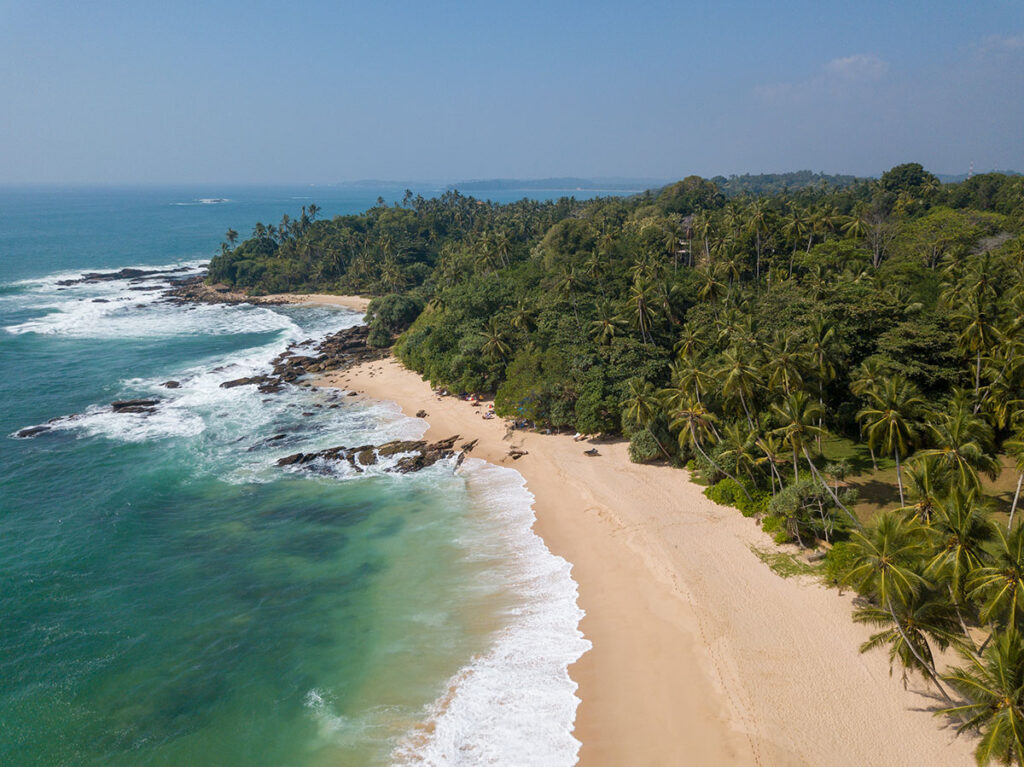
x=759 y=219
x=927 y=483
x=495 y=346
x=958 y=534
x=962 y=441
x=884 y=567
x=232 y=236
x=738 y=379
x=607 y=325
x=694 y=423
x=739 y=447
x=1015 y=449
x=993 y=688
x=977 y=334
x=889 y=422
x=797 y=413
x=640 y=309
x=795 y=227
x=642 y=405
x=786 y=362
x=688 y=379
x=771 y=449
x=907 y=629
x=999 y=586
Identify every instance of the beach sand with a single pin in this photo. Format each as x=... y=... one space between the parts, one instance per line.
x=358 y=303
x=702 y=655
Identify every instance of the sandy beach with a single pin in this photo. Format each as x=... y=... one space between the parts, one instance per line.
x=358 y=303
x=702 y=655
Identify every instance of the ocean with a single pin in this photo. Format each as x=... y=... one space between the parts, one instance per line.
x=172 y=597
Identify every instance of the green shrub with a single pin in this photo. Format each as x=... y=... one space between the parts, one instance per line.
x=378 y=337
x=729 y=492
x=643 y=448
x=838 y=563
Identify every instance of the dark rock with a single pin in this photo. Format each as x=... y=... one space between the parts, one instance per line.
x=123 y=274
x=101 y=300
x=246 y=381
x=32 y=431
x=415 y=454
x=135 y=405
x=171 y=384
x=421 y=413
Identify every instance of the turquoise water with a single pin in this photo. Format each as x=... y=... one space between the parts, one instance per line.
x=172 y=597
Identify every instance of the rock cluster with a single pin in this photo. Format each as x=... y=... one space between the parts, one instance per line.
x=417 y=454
x=337 y=351
x=194 y=290
x=135 y=406
x=123 y=274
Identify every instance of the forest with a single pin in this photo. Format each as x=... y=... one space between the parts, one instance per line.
x=841 y=358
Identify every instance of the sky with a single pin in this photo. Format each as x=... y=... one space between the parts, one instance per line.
x=320 y=92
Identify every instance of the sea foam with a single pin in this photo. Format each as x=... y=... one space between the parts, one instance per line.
x=514 y=704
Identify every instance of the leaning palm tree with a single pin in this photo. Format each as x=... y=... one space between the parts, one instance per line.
x=739 y=448
x=885 y=567
x=641 y=404
x=978 y=333
x=890 y=420
x=694 y=423
x=787 y=362
x=992 y=686
x=910 y=629
x=928 y=482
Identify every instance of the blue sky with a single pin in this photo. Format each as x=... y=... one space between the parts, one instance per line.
x=119 y=92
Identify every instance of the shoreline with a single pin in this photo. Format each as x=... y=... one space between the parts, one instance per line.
x=701 y=653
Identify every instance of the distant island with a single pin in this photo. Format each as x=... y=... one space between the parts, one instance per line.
x=841 y=358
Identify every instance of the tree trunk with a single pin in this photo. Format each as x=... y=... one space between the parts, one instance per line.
x=1016 y=497
x=926 y=666
x=696 y=444
x=796 y=468
x=899 y=478
x=817 y=474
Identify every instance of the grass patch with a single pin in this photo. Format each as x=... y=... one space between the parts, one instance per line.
x=785 y=565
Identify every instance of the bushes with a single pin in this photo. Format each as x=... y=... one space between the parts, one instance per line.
x=728 y=492
x=643 y=448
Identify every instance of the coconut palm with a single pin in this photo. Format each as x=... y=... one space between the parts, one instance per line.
x=890 y=421
x=998 y=587
x=694 y=423
x=641 y=404
x=978 y=333
x=1015 y=449
x=885 y=567
x=962 y=442
x=910 y=629
x=495 y=346
x=928 y=482
x=786 y=362
x=607 y=325
x=959 y=533
x=798 y=415
x=992 y=686
x=739 y=448
x=739 y=380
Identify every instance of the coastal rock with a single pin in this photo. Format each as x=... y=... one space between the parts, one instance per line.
x=123 y=274
x=171 y=384
x=135 y=405
x=31 y=431
x=246 y=381
x=415 y=455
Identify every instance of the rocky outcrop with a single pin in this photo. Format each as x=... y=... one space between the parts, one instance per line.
x=135 y=405
x=195 y=290
x=123 y=274
x=336 y=352
x=31 y=431
x=415 y=455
